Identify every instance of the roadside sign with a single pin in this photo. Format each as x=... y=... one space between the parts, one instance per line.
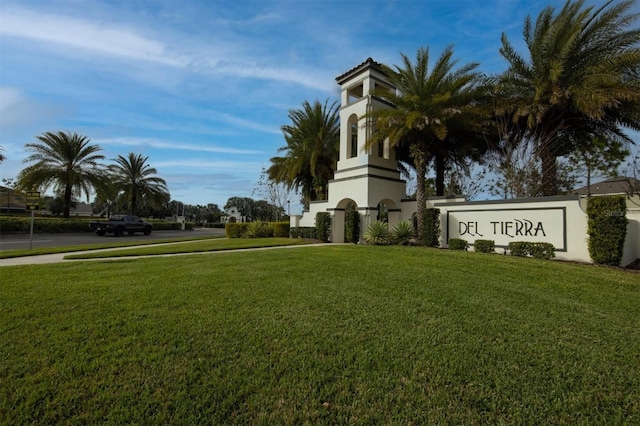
x=33 y=200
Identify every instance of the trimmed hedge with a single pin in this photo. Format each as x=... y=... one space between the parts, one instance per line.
x=607 y=229
x=52 y=225
x=351 y=226
x=457 y=244
x=484 y=246
x=536 y=250
x=236 y=229
x=431 y=228
x=303 y=232
x=323 y=226
x=281 y=229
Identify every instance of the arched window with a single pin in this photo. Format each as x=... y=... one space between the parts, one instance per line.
x=353 y=152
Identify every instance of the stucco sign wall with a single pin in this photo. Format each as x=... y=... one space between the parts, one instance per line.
x=547 y=225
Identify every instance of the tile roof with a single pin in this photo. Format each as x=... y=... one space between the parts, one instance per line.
x=369 y=63
x=616 y=185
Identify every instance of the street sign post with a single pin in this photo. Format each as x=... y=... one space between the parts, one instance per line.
x=33 y=204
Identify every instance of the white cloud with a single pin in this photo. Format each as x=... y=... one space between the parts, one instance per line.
x=114 y=40
x=91 y=36
x=169 y=145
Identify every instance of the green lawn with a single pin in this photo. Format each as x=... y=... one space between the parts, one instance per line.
x=112 y=243
x=321 y=335
x=194 y=246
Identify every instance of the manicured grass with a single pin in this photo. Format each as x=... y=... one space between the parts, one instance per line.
x=320 y=335
x=194 y=247
x=8 y=254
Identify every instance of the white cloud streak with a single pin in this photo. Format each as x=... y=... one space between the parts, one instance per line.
x=160 y=144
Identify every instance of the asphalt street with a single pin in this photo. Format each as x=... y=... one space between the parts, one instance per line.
x=21 y=241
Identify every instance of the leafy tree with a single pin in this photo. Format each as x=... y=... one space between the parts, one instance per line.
x=245 y=205
x=581 y=76
x=65 y=160
x=311 y=152
x=437 y=116
x=135 y=180
x=601 y=157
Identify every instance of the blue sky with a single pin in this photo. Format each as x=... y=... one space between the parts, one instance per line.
x=202 y=87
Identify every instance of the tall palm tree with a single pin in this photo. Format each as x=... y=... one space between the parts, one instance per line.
x=436 y=116
x=2 y=157
x=135 y=180
x=581 y=76
x=65 y=160
x=312 y=150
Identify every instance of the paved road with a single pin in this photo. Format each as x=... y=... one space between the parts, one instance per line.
x=21 y=241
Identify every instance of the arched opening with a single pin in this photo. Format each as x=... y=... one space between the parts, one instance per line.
x=383 y=212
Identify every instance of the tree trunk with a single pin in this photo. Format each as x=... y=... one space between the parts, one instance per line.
x=66 y=205
x=549 y=170
x=440 y=166
x=421 y=199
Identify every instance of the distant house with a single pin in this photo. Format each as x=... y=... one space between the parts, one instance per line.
x=619 y=185
x=11 y=201
x=233 y=215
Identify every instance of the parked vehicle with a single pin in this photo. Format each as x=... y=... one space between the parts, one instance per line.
x=118 y=224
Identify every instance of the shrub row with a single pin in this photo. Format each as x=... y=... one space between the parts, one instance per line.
x=303 y=232
x=536 y=250
x=257 y=229
x=22 y=224
x=55 y=225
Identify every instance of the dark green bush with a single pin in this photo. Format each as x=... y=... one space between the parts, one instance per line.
x=236 y=229
x=431 y=228
x=536 y=250
x=484 y=246
x=607 y=229
x=457 y=244
x=281 y=229
x=303 y=232
x=323 y=226
x=351 y=226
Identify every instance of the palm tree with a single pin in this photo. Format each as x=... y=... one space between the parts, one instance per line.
x=436 y=116
x=2 y=157
x=65 y=160
x=134 y=179
x=312 y=150
x=581 y=77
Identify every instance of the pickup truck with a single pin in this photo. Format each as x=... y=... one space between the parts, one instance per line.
x=118 y=224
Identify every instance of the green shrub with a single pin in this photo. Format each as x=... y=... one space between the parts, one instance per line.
x=303 y=232
x=351 y=226
x=431 y=228
x=484 y=246
x=236 y=229
x=458 y=244
x=323 y=226
x=402 y=232
x=607 y=229
x=536 y=250
x=280 y=229
x=377 y=233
